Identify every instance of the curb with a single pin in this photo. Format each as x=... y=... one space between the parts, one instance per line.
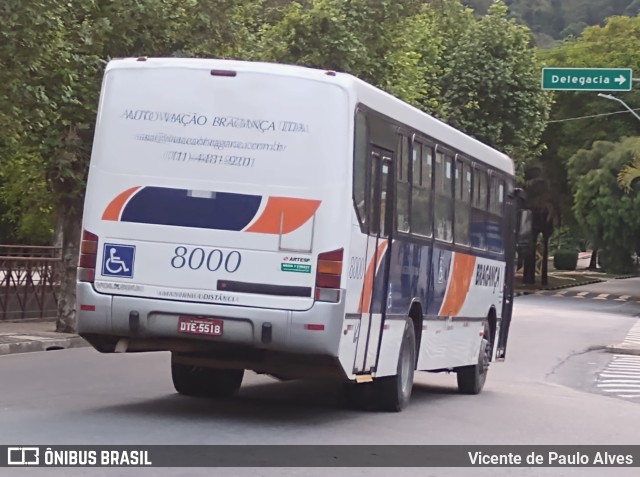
x=560 y=287
x=571 y=285
x=523 y=293
x=623 y=349
x=44 y=344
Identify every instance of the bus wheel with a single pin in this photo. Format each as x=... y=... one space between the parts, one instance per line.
x=471 y=379
x=205 y=382
x=393 y=393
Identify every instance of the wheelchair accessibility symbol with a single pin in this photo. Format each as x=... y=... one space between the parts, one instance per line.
x=117 y=260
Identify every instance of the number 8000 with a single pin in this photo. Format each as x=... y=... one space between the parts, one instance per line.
x=197 y=257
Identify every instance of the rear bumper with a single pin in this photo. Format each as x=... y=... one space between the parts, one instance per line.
x=151 y=324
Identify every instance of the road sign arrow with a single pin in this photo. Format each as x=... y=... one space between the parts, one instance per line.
x=620 y=80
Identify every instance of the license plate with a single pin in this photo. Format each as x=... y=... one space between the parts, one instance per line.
x=198 y=325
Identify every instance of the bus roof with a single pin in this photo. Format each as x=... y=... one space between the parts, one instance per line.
x=361 y=91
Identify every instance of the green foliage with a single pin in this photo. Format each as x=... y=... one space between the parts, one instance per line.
x=630 y=173
x=616 y=44
x=348 y=36
x=557 y=19
x=566 y=238
x=26 y=200
x=480 y=75
x=491 y=85
x=565 y=259
x=613 y=261
x=612 y=217
x=49 y=95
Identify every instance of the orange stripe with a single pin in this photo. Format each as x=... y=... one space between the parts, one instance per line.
x=459 y=282
x=113 y=210
x=367 y=286
x=294 y=212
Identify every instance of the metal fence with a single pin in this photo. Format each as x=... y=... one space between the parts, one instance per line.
x=28 y=284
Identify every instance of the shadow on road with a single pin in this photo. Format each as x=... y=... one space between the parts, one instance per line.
x=292 y=401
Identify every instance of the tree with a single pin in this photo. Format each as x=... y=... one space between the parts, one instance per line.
x=615 y=44
x=52 y=92
x=480 y=75
x=543 y=198
x=389 y=44
x=490 y=85
x=629 y=173
x=556 y=19
x=601 y=206
x=29 y=215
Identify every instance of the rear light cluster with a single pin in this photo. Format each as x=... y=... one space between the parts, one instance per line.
x=88 y=257
x=328 y=273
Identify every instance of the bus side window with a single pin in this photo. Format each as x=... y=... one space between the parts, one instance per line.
x=374 y=202
x=360 y=167
x=421 y=190
x=444 y=197
x=479 y=208
x=463 y=202
x=495 y=222
x=403 y=186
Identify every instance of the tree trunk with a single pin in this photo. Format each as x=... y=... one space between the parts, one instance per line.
x=71 y=220
x=544 y=275
x=58 y=235
x=593 y=263
x=529 y=273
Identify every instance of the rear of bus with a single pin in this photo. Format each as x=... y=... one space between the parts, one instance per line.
x=215 y=214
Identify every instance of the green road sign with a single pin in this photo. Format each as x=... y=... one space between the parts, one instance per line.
x=587 y=79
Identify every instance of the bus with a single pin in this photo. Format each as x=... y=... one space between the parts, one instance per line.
x=294 y=222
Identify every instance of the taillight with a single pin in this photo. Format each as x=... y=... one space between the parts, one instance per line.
x=88 y=257
x=328 y=272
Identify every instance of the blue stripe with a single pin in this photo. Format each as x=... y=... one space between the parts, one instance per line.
x=163 y=206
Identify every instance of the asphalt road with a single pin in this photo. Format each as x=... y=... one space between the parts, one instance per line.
x=544 y=393
x=629 y=287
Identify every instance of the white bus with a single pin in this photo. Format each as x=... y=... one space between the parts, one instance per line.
x=294 y=222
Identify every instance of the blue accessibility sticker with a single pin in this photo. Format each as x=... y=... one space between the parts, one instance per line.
x=117 y=260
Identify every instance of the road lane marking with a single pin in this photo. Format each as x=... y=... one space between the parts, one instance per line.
x=609 y=381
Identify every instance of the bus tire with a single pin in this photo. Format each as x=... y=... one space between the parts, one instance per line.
x=199 y=381
x=471 y=379
x=393 y=392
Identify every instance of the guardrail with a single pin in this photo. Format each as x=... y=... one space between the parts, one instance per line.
x=28 y=284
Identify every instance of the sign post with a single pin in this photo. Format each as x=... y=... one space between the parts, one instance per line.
x=587 y=79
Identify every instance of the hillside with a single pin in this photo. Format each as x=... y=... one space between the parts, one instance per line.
x=556 y=19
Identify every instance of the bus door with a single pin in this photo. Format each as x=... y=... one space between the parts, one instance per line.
x=381 y=206
x=510 y=240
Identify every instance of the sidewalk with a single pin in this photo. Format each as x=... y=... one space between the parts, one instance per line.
x=24 y=337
